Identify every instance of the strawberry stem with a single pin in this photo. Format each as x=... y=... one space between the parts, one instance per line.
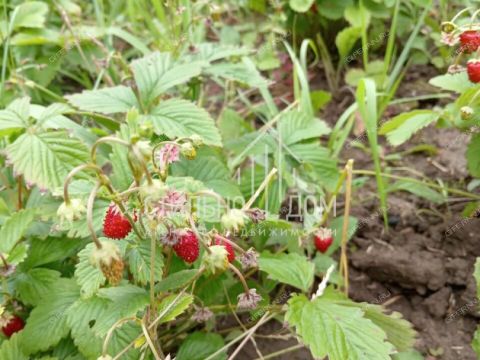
x=236 y=246
x=91 y=200
x=72 y=173
x=240 y=276
x=93 y=152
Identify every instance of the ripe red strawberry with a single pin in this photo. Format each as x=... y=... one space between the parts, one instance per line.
x=227 y=246
x=187 y=247
x=473 y=70
x=115 y=225
x=14 y=325
x=469 y=41
x=323 y=239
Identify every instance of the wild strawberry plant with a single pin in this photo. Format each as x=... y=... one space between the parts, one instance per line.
x=130 y=240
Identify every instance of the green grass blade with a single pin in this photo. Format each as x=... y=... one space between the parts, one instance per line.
x=406 y=50
x=367 y=104
x=391 y=39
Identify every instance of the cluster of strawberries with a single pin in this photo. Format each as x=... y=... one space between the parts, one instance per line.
x=469 y=43
x=116 y=226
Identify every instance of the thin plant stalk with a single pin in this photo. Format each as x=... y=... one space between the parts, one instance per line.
x=91 y=200
x=346 y=218
x=391 y=39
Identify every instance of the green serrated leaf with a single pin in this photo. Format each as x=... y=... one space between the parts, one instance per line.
x=79 y=318
x=34 y=284
x=121 y=176
x=89 y=277
x=47 y=323
x=318 y=158
x=11 y=349
x=295 y=126
x=199 y=345
x=291 y=269
x=139 y=262
x=453 y=82
x=45 y=251
x=30 y=14
x=126 y=301
x=173 y=306
x=402 y=127
x=158 y=72
x=211 y=171
x=106 y=101
x=399 y=332
x=421 y=190
x=240 y=72
x=181 y=118
x=46 y=158
x=15 y=117
x=176 y=280
x=339 y=332
x=14 y=228
x=18 y=254
x=82 y=316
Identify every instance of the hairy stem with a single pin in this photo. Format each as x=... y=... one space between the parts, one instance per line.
x=91 y=200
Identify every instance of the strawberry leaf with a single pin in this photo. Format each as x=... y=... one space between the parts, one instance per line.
x=12 y=349
x=199 y=345
x=46 y=158
x=110 y=100
x=34 y=284
x=181 y=118
x=126 y=301
x=339 y=332
x=47 y=323
x=139 y=261
x=291 y=269
x=89 y=277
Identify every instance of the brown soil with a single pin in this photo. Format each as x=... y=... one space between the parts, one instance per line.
x=425 y=263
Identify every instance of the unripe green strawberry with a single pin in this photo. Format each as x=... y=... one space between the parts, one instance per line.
x=216 y=260
x=71 y=211
x=234 y=219
x=466 y=112
x=188 y=150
